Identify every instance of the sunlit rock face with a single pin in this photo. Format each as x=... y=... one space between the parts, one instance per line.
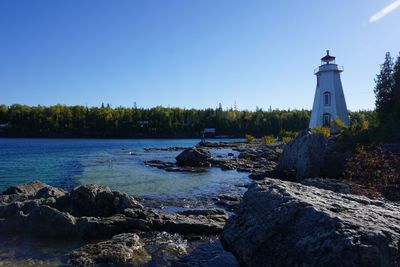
x=282 y=223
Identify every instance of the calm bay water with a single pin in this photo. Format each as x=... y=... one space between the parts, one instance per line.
x=117 y=163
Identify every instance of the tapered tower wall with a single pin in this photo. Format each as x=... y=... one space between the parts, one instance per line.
x=329 y=100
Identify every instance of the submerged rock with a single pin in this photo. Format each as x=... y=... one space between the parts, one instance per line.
x=304 y=154
x=173 y=167
x=194 y=157
x=282 y=223
x=174 y=148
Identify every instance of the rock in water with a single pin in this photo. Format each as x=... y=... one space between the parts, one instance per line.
x=282 y=223
x=32 y=190
x=29 y=189
x=194 y=157
x=304 y=154
x=97 y=200
x=123 y=249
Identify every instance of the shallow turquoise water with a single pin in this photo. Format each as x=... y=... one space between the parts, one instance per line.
x=116 y=163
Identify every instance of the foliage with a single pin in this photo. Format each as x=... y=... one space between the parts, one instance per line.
x=323 y=130
x=373 y=166
x=387 y=93
x=290 y=134
x=268 y=139
x=339 y=125
x=249 y=138
x=105 y=121
x=286 y=140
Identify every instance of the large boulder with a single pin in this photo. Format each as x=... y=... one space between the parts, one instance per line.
x=281 y=223
x=335 y=157
x=194 y=157
x=303 y=155
x=97 y=200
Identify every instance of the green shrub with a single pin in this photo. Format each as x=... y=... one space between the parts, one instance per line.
x=268 y=139
x=323 y=130
x=339 y=125
x=286 y=140
x=290 y=134
x=249 y=138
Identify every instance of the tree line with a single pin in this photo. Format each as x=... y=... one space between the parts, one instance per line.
x=121 y=122
x=104 y=121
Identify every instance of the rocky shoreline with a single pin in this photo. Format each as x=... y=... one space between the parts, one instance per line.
x=289 y=216
x=113 y=227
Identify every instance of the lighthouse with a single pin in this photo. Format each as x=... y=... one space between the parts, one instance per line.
x=329 y=102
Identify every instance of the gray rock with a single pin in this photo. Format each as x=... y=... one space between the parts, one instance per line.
x=96 y=200
x=194 y=157
x=29 y=189
x=41 y=221
x=164 y=248
x=281 y=223
x=32 y=190
x=338 y=186
x=89 y=228
x=304 y=154
x=210 y=254
x=123 y=249
x=335 y=157
x=49 y=191
x=200 y=222
x=269 y=152
x=9 y=209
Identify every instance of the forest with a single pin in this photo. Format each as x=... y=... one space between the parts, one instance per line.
x=158 y=122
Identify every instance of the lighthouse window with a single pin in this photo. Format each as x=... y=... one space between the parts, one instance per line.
x=326 y=120
x=327 y=99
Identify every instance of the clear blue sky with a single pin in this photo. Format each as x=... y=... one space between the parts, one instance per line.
x=189 y=53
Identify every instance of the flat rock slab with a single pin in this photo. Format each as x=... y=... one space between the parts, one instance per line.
x=281 y=223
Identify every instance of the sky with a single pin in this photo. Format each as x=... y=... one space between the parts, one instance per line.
x=191 y=53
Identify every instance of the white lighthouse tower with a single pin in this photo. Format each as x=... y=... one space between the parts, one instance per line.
x=329 y=102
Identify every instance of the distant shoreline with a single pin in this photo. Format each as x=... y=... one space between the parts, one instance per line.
x=114 y=137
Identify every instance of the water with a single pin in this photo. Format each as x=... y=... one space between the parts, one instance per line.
x=116 y=163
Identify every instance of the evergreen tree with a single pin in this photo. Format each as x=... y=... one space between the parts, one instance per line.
x=396 y=98
x=383 y=90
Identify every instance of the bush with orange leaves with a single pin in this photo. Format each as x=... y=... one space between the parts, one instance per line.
x=375 y=168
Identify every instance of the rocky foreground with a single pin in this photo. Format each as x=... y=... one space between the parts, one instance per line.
x=281 y=223
x=115 y=227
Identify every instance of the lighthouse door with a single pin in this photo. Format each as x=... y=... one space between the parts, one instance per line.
x=326 y=120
